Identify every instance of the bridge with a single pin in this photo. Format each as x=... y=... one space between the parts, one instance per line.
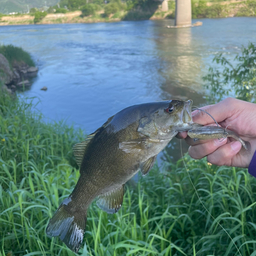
x=183 y=12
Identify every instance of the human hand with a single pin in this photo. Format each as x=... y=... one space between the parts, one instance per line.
x=236 y=115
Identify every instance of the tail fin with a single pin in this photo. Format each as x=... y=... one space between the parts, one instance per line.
x=68 y=226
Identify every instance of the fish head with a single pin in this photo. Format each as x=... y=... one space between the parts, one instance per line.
x=167 y=119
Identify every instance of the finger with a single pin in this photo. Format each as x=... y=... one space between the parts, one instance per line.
x=182 y=135
x=201 y=150
x=225 y=154
x=219 y=112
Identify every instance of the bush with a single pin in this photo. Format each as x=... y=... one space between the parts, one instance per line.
x=199 y=9
x=239 y=79
x=249 y=9
x=39 y=16
x=51 y=10
x=88 y=9
x=13 y=53
x=111 y=9
x=33 y=10
x=61 y=10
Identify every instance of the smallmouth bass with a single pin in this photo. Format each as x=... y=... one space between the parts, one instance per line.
x=128 y=142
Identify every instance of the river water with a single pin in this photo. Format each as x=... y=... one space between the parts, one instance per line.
x=93 y=71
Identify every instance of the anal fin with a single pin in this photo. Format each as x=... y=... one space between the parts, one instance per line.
x=112 y=201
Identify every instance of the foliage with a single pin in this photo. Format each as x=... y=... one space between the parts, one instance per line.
x=201 y=10
x=51 y=9
x=76 y=4
x=61 y=10
x=33 y=10
x=39 y=16
x=162 y=214
x=88 y=9
x=239 y=78
x=249 y=9
x=22 y=5
x=111 y=8
x=13 y=53
x=215 y=11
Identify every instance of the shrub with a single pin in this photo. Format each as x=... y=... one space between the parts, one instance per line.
x=33 y=10
x=239 y=79
x=215 y=11
x=13 y=53
x=39 y=16
x=88 y=9
x=199 y=9
x=50 y=9
x=61 y=10
x=111 y=9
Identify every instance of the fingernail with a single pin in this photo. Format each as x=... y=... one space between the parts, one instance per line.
x=194 y=113
x=236 y=146
x=219 y=142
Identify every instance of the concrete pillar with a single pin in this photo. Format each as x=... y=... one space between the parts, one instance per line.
x=183 y=13
x=165 y=6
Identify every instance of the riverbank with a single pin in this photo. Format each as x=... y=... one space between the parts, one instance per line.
x=76 y=17
x=16 y=68
x=199 y=10
x=162 y=214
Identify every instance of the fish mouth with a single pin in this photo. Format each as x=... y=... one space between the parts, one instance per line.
x=187 y=116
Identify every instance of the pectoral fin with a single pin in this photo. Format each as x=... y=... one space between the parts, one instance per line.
x=112 y=201
x=146 y=166
x=133 y=146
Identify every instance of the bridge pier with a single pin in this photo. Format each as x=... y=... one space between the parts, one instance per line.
x=164 y=6
x=183 y=13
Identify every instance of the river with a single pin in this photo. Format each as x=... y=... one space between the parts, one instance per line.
x=94 y=70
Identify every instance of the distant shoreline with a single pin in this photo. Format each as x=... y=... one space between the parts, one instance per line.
x=69 y=18
x=225 y=9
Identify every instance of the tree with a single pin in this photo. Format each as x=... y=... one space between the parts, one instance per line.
x=33 y=10
x=111 y=9
x=239 y=79
x=75 y=4
x=39 y=16
x=88 y=9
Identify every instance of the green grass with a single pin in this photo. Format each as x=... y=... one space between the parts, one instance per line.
x=14 y=53
x=161 y=214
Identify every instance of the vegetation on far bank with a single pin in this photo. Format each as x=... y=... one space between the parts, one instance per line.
x=200 y=209
x=116 y=10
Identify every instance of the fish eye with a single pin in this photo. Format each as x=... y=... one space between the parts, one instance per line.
x=169 y=109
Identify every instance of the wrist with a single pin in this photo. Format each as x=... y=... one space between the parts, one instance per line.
x=252 y=166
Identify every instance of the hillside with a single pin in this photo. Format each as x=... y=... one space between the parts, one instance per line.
x=7 y=6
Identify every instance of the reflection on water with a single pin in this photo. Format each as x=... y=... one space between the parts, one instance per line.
x=93 y=71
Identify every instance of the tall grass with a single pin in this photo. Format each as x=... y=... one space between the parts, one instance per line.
x=161 y=214
x=14 y=53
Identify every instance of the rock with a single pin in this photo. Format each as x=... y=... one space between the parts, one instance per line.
x=32 y=70
x=44 y=88
x=17 y=73
x=24 y=83
x=198 y=23
x=6 y=74
x=16 y=76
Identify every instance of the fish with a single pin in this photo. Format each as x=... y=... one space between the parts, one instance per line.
x=128 y=142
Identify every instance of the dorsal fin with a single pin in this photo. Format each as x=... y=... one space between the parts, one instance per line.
x=79 y=148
